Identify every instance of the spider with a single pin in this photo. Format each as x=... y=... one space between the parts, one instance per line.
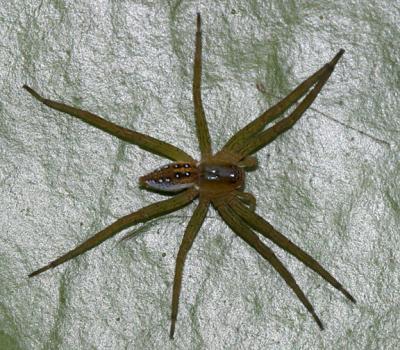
x=217 y=179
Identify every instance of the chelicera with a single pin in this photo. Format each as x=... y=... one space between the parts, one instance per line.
x=216 y=179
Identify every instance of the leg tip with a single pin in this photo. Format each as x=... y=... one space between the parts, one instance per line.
x=198 y=20
x=33 y=274
x=319 y=322
x=347 y=294
x=172 y=332
x=33 y=92
x=43 y=269
x=316 y=319
x=339 y=54
x=337 y=57
x=350 y=297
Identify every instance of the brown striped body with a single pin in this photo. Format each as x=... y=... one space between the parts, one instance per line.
x=209 y=177
x=172 y=177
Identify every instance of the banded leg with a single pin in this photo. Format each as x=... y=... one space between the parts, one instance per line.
x=247 y=133
x=190 y=234
x=244 y=232
x=262 y=226
x=201 y=122
x=142 y=215
x=146 y=142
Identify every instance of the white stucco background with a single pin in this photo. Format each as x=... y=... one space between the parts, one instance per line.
x=330 y=186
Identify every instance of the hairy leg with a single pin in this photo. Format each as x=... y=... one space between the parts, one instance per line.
x=242 y=137
x=262 y=226
x=146 y=142
x=244 y=232
x=142 y=215
x=190 y=234
x=201 y=122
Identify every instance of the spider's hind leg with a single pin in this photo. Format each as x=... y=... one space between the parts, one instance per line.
x=142 y=215
x=146 y=142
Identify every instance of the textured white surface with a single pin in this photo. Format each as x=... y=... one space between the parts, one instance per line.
x=332 y=190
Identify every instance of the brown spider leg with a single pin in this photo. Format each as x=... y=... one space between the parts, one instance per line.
x=245 y=233
x=245 y=134
x=201 y=122
x=248 y=163
x=142 y=215
x=262 y=226
x=270 y=134
x=190 y=234
x=146 y=142
x=247 y=198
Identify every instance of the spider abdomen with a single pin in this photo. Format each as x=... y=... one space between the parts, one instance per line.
x=172 y=177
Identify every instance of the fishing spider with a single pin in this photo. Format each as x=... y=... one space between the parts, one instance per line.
x=216 y=179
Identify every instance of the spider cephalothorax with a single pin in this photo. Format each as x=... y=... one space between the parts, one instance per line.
x=216 y=179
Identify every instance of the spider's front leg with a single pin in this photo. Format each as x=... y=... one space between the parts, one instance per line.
x=142 y=215
x=266 y=229
x=251 y=138
x=270 y=134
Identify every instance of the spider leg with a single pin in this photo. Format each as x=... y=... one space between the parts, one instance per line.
x=244 y=232
x=247 y=198
x=146 y=142
x=270 y=134
x=190 y=234
x=201 y=122
x=142 y=215
x=248 y=162
x=262 y=226
x=248 y=132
